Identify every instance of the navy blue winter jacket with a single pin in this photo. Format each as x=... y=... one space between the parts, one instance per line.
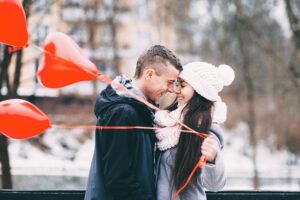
x=122 y=167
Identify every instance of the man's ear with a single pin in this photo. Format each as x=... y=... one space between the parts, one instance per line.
x=148 y=73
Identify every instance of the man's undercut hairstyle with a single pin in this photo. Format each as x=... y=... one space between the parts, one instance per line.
x=156 y=57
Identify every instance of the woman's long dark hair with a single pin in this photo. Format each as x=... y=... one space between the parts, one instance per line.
x=196 y=115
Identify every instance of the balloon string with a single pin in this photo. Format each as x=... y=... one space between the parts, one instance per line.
x=198 y=165
x=105 y=127
x=113 y=127
x=13 y=49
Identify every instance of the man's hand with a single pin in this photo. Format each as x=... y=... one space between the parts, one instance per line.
x=209 y=149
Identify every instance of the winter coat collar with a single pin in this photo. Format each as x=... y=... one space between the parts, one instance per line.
x=110 y=96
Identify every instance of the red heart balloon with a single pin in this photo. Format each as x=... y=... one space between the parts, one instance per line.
x=64 y=63
x=13 y=25
x=20 y=119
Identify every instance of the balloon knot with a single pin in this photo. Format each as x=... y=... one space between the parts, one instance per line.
x=14 y=49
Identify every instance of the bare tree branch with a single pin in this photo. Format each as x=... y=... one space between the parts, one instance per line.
x=264 y=45
x=246 y=63
x=295 y=57
x=294 y=22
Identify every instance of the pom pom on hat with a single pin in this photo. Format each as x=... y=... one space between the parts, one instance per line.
x=226 y=73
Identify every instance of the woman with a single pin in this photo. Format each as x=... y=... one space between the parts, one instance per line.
x=198 y=106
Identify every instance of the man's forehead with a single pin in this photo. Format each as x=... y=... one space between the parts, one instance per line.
x=172 y=77
x=172 y=71
x=169 y=72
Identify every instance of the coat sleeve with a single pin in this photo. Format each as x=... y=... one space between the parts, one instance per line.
x=213 y=176
x=117 y=153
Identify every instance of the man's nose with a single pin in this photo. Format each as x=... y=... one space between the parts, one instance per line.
x=171 y=89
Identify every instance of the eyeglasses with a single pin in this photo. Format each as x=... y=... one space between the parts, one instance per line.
x=176 y=84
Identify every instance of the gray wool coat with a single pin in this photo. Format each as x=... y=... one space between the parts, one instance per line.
x=211 y=178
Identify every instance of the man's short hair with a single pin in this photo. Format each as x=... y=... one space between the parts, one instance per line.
x=156 y=57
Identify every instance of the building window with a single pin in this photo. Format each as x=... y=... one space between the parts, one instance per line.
x=41 y=6
x=40 y=34
x=78 y=34
x=74 y=2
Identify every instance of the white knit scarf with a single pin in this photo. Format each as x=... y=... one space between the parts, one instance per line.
x=168 y=135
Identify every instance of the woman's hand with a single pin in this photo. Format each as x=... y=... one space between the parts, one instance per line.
x=209 y=149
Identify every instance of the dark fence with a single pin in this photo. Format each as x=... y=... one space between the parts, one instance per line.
x=78 y=195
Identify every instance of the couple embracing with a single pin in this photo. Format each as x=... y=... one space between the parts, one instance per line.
x=146 y=165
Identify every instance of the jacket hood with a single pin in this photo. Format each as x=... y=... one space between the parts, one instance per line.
x=111 y=97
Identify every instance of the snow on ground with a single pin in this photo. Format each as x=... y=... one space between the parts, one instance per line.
x=237 y=154
x=277 y=170
x=27 y=159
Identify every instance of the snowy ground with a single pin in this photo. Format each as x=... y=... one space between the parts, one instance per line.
x=278 y=170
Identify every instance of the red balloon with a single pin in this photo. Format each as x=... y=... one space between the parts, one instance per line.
x=64 y=63
x=20 y=119
x=13 y=25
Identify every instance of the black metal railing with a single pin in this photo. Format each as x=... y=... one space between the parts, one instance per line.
x=79 y=194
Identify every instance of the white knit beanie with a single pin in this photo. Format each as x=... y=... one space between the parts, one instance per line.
x=208 y=80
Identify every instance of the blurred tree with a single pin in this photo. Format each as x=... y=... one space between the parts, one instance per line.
x=91 y=27
x=4 y=156
x=293 y=7
x=245 y=63
x=292 y=10
x=245 y=34
x=113 y=26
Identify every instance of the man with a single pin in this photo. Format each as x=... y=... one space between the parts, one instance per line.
x=122 y=167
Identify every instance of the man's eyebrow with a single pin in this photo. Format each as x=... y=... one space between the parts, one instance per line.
x=171 y=81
